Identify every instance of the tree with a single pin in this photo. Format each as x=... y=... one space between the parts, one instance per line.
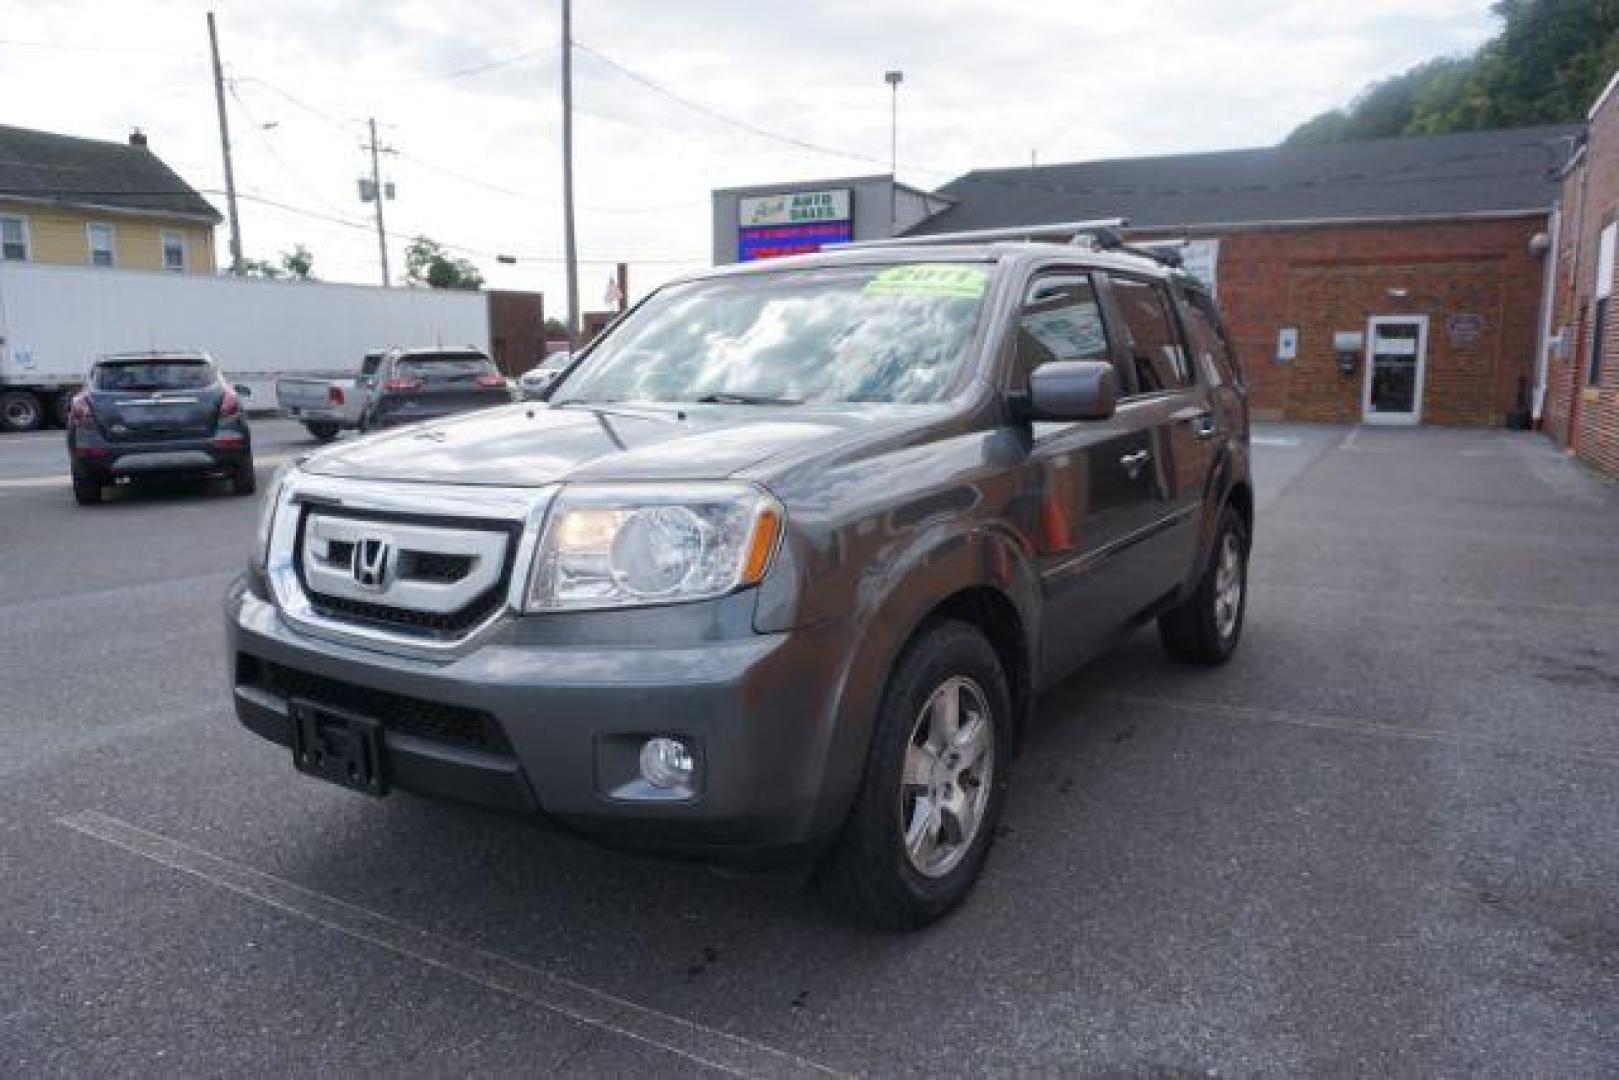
x=1547 y=64
x=555 y=328
x=427 y=263
x=297 y=265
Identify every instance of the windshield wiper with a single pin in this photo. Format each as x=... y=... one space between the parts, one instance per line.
x=723 y=397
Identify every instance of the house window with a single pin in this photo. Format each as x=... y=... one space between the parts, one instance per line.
x=1605 y=258
x=174 y=250
x=101 y=244
x=14 y=239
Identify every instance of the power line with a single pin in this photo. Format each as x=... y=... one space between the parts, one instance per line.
x=715 y=114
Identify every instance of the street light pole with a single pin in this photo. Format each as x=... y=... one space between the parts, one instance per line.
x=224 y=145
x=893 y=79
x=376 y=190
x=570 y=251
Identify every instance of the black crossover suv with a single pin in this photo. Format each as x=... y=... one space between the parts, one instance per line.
x=158 y=413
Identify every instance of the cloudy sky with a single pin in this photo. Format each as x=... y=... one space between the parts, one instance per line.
x=673 y=98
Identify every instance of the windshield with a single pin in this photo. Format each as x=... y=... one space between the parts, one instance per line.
x=860 y=333
x=155 y=375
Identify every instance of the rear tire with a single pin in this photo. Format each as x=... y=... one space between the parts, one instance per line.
x=244 y=481
x=1206 y=626
x=86 y=489
x=21 y=410
x=323 y=431
x=923 y=822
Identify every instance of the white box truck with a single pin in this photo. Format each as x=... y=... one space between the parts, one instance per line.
x=54 y=320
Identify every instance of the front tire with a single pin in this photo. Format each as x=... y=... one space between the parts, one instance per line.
x=935 y=781
x=1205 y=628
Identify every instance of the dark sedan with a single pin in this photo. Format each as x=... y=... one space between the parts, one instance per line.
x=149 y=414
x=412 y=385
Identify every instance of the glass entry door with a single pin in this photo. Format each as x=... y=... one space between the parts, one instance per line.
x=1396 y=354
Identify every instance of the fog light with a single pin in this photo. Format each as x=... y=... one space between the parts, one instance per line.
x=667 y=763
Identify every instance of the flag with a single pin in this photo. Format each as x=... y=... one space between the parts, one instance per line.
x=615 y=295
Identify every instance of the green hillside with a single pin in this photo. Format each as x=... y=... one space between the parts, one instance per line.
x=1547 y=64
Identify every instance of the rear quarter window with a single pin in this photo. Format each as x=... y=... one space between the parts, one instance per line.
x=1210 y=342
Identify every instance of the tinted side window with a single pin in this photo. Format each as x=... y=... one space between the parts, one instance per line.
x=1209 y=340
x=1061 y=320
x=1155 y=347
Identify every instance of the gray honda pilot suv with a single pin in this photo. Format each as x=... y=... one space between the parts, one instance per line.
x=781 y=565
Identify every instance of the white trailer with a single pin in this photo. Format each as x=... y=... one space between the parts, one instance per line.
x=54 y=320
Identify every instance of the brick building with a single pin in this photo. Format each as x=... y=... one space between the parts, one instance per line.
x=1582 y=365
x=1389 y=281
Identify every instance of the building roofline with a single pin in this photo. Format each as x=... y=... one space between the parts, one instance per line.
x=1335 y=222
x=102 y=208
x=1233 y=151
x=1602 y=98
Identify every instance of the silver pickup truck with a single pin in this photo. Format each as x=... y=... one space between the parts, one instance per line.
x=324 y=405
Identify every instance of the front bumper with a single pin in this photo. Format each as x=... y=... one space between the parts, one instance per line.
x=547 y=721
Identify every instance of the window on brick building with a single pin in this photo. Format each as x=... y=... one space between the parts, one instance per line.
x=1604 y=293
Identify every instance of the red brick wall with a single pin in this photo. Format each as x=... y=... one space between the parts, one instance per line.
x=1323 y=279
x=516 y=329
x=1581 y=415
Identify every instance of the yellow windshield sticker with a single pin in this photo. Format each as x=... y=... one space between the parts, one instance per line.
x=930 y=279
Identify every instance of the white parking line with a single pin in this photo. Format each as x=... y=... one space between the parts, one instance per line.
x=1273 y=440
x=61 y=479
x=707 y=1046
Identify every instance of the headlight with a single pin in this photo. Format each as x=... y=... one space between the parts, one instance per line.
x=267 y=512
x=652 y=544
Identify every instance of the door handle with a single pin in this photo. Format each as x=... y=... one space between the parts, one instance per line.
x=1204 y=426
x=1132 y=463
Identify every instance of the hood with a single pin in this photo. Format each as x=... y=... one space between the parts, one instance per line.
x=533 y=445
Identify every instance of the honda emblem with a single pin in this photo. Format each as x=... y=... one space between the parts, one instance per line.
x=372 y=561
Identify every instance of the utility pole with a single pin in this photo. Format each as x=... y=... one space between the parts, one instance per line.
x=376 y=189
x=224 y=144
x=893 y=79
x=570 y=251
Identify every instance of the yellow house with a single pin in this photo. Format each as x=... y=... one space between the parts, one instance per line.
x=87 y=202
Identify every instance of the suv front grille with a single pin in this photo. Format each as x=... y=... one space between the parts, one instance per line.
x=485 y=565
x=427 y=623
x=456 y=725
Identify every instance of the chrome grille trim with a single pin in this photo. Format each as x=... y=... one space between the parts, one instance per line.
x=440 y=507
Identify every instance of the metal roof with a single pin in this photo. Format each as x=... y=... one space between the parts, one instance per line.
x=1465 y=174
x=41 y=166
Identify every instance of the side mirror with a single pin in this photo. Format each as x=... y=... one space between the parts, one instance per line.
x=1072 y=390
x=243 y=390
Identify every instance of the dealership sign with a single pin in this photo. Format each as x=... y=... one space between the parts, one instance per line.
x=793 y=222
x=795 y=208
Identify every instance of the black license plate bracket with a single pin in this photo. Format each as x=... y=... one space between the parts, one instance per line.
x=338 y=746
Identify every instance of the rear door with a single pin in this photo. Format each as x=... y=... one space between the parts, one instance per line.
x=1171 y=401
x=155 y=398
x=1092 y=489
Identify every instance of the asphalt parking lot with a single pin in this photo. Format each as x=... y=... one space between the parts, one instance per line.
x=1383 y=840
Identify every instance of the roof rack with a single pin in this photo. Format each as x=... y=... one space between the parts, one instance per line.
x=1164 y=252
x=1102 y=231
